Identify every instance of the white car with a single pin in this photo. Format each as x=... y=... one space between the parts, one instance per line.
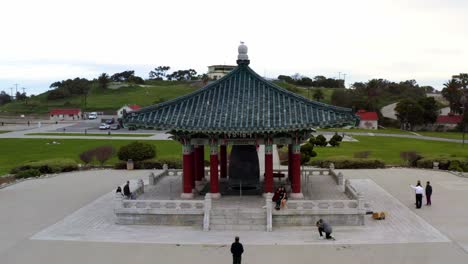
x=92 y=115
x=104 y=126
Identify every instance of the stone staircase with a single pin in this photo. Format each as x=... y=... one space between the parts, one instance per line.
x=238 y=219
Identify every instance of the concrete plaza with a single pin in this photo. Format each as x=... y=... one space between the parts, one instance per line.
x=46 y=221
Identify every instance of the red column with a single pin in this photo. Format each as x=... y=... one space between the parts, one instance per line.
x=268 y=169
x=201 y=162
x=296 y=172
x=196 y=160
x=223 y=155
x=290 y=162
x=187 y=172
x=194 y=172
x=214 y=182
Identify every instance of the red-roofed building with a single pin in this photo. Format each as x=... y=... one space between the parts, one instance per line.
x=65 y=114
x=448 y=121
x=369 y=120
x=128 y=108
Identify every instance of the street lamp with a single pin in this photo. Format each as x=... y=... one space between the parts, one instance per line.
x=463 y=103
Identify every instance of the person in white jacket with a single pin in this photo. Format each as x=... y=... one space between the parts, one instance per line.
x=419 y=191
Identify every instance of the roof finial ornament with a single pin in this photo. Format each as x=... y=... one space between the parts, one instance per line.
x=242 y=58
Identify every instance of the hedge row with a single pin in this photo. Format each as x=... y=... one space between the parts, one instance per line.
x=151 y=164
x=445 y=163
x=37 y=168
x=350 y=163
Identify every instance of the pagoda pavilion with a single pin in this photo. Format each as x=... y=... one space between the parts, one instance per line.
x=241 y=108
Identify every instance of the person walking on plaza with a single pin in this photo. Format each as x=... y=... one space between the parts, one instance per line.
x=237 y=249
x=126 y=190
x=324 y=227
x=419 y=191
x=428 y=193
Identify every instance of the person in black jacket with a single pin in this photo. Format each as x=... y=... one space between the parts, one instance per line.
x=126 y=190
x=428 y=193
x=237 y=249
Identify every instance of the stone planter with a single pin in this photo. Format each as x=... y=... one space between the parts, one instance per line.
x=130 y=164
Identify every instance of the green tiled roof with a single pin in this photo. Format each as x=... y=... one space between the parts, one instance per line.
x=241 y=102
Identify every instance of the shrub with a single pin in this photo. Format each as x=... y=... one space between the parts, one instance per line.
x=320 y=141
x=362 y=154
x=411 y=157
x=137 y=151
x=176 y=163
x=87 y=156
x=28 y=174
x=149 y=164
x=312 y=140
x=337 y=137
x=354 y=163
x=428 y=163
x=103 y=153
x=308 y=149
x=120 y=165
x=48 y=166
x=455 y=166
x=334 y=143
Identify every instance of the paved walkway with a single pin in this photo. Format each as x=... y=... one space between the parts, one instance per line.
x=33 y=206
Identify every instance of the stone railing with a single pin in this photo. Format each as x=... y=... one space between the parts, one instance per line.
x=159 y=206
x=320 y=206
x=338 y=177
x=352 y=193
x=207 y=210
x=153 y=178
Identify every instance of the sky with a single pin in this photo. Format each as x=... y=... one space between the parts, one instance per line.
x=51 y=40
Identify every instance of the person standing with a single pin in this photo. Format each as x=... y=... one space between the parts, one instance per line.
x=428 y=193
x=418 y=190
x=126 y=190
x=237 y=249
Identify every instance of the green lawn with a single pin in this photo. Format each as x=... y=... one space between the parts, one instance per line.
x=450 y=135
x=4 y=131
x=15 y=152
x=388 y=149
x=358 y=130
x=90 y=134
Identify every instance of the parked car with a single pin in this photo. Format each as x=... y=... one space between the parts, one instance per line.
x=110 y=121
x=115 y=126
x=104 y=126
x=92 y=115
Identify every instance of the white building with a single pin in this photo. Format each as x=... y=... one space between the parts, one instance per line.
x=216 y=72
x=369 y=120
x=128 y=109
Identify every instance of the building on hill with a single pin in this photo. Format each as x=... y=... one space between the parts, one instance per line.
x=128 y=109
x=216 y=72
x=65 y=114
x=449 y=121
x=369 y=120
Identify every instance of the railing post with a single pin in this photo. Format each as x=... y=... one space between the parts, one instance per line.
x=151 y=179
x=118 y=201
x=207 y=209
x=360 y=201
x=340 y=178
x=141 y=186
x=269 y=211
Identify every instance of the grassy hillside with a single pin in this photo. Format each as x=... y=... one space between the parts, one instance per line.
x=110 y=100
x=105 y=100
x=307 y=92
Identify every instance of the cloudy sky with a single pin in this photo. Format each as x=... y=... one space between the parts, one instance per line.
x=49 y=40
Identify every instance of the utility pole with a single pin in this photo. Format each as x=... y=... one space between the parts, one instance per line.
x=23 y=89
x=16 y=87
x=344 y=80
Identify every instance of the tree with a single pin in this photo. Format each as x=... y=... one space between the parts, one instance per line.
x=183 y=75
x=318 y=95
x=4 y=98
x=159 y=73
x=103 y=81
x=320 y=141
x=285 y=78
x=410 y=113
x=122 y=76
x=136 y=80
x=430 y=110
x=452 y=92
